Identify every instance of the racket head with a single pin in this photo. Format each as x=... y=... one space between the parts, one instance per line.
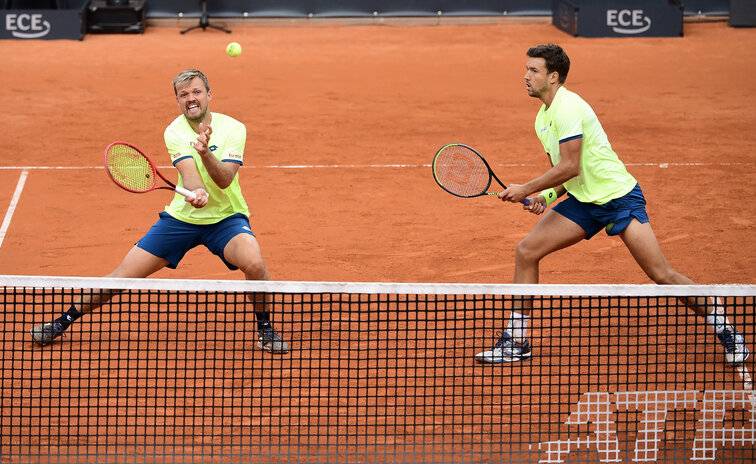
x=461 y=171
x=129 y=168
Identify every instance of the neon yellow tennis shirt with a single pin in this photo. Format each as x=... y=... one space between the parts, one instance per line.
x=603 y=177
x=227 y=144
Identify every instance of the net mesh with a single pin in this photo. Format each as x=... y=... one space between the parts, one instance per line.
x=461 y=171
x=170 y=371
x=129 y=168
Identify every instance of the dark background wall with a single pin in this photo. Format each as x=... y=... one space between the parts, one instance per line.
x=335 y=8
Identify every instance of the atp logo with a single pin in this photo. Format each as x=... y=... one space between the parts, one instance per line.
x=27 y=25
x=628 y=21
x=600 y=411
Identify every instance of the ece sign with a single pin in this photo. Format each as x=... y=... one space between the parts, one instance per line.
x=618 y=18
x=42 y=24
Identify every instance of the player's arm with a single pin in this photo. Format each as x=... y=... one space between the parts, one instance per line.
x=192 y=181
x=567 y=168
x=539 y=203
x=221 y=172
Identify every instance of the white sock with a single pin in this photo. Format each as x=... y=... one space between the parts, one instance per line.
x=518 y=326
x=717 y=320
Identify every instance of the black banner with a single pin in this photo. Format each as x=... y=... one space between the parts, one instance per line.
x=742 y=13
x=42 y=24
x=345 y=8
x=357 y=8
x=294 y=8
x=619 y=18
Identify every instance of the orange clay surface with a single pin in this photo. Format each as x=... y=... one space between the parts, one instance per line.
x=343 y=121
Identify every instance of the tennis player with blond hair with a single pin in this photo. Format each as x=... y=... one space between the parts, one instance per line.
x=207 y=150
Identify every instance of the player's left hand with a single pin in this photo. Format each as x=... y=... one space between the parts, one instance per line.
x=537 y=205
x=203 y=140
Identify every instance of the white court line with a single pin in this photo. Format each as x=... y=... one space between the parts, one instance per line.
x=12 y=206
x=281 y=166
x=25 y=171
x=662 y=165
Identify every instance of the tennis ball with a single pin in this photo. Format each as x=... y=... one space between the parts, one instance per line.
x=233 y=49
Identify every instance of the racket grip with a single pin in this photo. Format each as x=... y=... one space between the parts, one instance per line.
x=526 y=202
x=187 y=193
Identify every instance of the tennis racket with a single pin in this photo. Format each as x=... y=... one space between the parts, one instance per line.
x=132 y=170
x=462 y=171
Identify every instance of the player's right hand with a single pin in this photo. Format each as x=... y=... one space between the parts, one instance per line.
x=200 y=198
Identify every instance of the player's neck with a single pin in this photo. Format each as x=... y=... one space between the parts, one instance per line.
x=548 y=97
x=207 y=120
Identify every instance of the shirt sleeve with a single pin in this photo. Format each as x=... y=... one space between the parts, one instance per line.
x=569 y=123
x=177 y=148
x=233 y=149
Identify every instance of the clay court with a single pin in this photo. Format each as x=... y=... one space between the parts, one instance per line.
x=343 y=120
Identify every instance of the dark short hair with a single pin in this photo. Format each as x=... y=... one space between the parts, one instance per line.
x=556 y=59
x=186 y=76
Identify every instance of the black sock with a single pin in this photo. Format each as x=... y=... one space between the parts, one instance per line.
x=263 y=319
x=68 y=317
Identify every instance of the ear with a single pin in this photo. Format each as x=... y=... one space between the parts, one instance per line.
x=209 y=95
x=554 y=77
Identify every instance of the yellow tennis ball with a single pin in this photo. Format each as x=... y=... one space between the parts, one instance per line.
x=233 y=49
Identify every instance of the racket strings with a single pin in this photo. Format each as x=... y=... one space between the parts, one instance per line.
x=129 y=168
x=461 y=171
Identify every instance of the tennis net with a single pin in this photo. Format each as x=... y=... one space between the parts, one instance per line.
x=170 y=371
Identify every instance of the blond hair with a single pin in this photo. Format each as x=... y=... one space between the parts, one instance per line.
x=186 y=76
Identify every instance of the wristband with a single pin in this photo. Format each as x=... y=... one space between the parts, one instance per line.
x=550 y=195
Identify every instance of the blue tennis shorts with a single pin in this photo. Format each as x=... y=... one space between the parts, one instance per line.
x=170 y=238
x=614 y=215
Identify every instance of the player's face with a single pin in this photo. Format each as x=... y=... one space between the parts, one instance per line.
x=537 y=79
x=193 y=99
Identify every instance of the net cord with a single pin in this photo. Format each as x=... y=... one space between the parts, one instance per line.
x=196 y=285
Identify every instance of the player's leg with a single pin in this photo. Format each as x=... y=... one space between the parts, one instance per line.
x=163 y=245
x=553 y=232
x=641 y=241
x=137 y=263
x=643 y=245
x=243 y=251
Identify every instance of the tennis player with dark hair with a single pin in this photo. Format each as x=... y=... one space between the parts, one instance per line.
x=601 y=194
x=207 y=149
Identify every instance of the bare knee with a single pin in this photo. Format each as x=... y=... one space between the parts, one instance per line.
x=255 y=269
x=525 y=253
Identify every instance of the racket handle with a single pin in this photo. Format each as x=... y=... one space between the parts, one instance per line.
x=187 y=193
x=525 y=202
